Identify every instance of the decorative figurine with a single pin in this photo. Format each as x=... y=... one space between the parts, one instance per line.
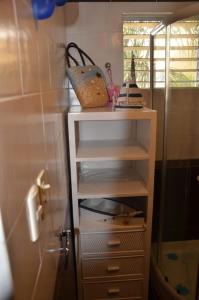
x=130 y=96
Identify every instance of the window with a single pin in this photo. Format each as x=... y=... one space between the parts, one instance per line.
x=184 y=53
x=136 y=39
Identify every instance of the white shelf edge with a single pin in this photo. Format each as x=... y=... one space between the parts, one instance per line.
x=109 y=195
x=97 y=150
x=111 y=183
x=94 y=222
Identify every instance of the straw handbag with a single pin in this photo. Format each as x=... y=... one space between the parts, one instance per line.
x=87 y=80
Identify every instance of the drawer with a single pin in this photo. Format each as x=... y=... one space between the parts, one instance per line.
x=112 y=242
x=105 y=267
x=114 y=290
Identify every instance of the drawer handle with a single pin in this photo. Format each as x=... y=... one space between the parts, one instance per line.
x=113 y=269
x=114 y=291
x=114 y=243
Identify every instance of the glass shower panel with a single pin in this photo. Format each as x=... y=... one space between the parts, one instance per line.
x=158 y=103
x=177 y=168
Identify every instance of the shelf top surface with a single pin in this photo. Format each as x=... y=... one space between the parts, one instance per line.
x=98 y=183
x=102 y=113
x=110 y=150
x=94 y=222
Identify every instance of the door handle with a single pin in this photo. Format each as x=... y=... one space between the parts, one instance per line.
x=33 y=212
x=40 y=181
x=113 y=243
x=61 y=250
x=64 y=238
x=113 y=291
x=113 y=269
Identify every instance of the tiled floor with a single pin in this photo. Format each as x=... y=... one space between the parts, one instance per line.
x=179 y=265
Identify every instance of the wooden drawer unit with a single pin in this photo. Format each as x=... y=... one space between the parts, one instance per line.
x=112 y=242
x=113 y=266
x=132 y=289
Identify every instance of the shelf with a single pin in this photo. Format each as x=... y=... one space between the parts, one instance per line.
x=77 y=113
x=110 y=150
x=100 y=183
x=94 y=222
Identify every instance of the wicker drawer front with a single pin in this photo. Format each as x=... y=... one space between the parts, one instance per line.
x=113 y=267
x=123 y=298
x=112 y=242
x=114 y=290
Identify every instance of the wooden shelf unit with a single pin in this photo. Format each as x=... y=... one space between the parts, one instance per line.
x=112 y=154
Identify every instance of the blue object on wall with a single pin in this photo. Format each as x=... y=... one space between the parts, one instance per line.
x=60 y=2
x=43 y=9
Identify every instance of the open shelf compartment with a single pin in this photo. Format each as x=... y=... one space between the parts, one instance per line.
x=88 y=150
x=112 y=140
x=122 y=180
x=127 y=213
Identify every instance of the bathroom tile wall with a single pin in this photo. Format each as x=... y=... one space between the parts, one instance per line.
x=183 y=125
x=32 y=138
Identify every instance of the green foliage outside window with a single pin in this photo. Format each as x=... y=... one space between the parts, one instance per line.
x=184 y=53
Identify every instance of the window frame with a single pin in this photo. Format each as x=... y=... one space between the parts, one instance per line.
x=181 y=72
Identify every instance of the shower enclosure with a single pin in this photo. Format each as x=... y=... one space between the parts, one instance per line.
x=175 y=83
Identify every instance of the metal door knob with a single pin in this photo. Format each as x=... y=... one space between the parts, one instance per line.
x=61 y=249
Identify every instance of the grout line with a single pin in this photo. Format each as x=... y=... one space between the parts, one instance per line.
x=16 y=97
x=16 y=220
x=44 y=130
x=49 y=65
x=37 y=278
x=18 y=46
x=38 y=61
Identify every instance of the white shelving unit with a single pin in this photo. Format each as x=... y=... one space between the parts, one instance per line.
x=112 y=154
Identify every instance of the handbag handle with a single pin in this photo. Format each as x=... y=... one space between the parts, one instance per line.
x=81 y=53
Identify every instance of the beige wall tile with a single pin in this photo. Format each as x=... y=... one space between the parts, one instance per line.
x=56 y=49
x=22 y=147
x=15 y=164
x=184 y=99
x=57 y=64
x=22 y=152
x=55 y=155
x=9 y=60
x=25 y=259
x=35 y=134
x=174 y=147
x=28 y=38
x=46 y=278
x=44 y=61
x=181 y=147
